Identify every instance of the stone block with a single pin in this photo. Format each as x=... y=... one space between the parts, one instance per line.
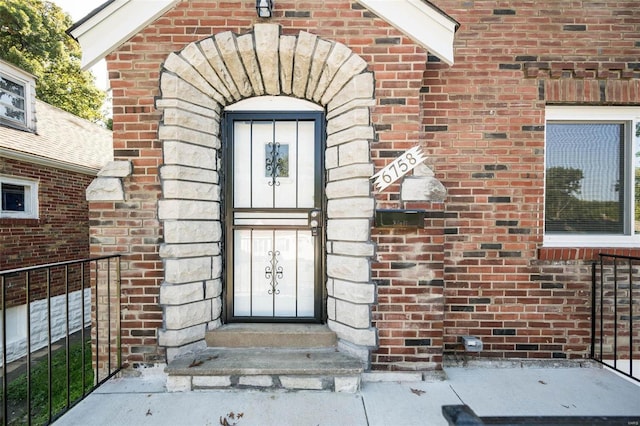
x=348 y=268
x=187 y=315
x=181 y=337
x=350 y=171
x=302 y=62
x=174 y=87
x=355 y=152
x=422 y=189
x=348 y=384
x=349 y=188
x=320 y=55
x=354 y=292
x=337 y=57
x=215 y=70
x=187 y=270
x=351 y=208
x=250 y=61
x=180 y=251
x=181 y=171
x=182 y=66
x=179 y=294
x=226 y=43
x=213 y=288
x=181 y=117
x=266 y=39
x=353 y=248
x=354 y=117
x=331 y=158
x=352 y=67
x=207 y=382
x=105 y=189
x=189 y=155
x=256 y=381
x=184 y=231
x=359 y=87
x=287 y=50
x=182 y=134
x=348 y=229
x=351 y=134
x=362 y=337
x=297 y=382
x=352 y=314
x=180 y=189
x=216 y=307
x=178 y=383
x=188 y=209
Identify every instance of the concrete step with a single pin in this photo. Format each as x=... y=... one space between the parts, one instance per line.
x=271 y=336
x=266 y=368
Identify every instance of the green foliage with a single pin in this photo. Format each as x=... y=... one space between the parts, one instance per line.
x=32 y=37
x=562 y=187
x=17 y=389
x=565 y=212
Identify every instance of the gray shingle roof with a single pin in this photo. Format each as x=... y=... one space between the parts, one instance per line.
x=62 y=138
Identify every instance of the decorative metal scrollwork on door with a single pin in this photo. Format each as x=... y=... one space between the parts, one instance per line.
x=273 y=272
x=276 y=161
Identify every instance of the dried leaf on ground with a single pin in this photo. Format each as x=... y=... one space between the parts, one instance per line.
x=417 y=391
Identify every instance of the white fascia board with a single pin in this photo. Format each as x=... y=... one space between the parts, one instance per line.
x=47 y=162
x=421 y=22
x=112 y=26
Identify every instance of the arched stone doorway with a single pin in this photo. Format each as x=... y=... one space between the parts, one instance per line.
x=197 y=84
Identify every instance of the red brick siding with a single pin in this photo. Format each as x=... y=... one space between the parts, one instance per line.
x=60 y=234
x=484 y=119
x=481 y=122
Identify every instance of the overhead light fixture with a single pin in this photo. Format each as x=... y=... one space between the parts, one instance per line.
x=264 y=8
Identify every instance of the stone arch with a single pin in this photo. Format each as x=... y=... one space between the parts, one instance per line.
x=197 y=83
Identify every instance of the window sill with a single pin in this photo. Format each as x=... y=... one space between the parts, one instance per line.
x=583 y=253
x=23 y=221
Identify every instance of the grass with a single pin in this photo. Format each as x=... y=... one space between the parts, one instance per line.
x=17 y=389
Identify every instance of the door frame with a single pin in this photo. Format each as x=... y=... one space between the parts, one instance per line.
x=320 y=292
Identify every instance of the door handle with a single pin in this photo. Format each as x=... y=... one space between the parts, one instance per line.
x=315 y=221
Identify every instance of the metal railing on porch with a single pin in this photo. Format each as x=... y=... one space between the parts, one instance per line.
x=615 y=319
x=60 y=336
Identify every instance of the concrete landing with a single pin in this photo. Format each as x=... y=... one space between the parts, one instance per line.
x=271 y=336
x=266 y=368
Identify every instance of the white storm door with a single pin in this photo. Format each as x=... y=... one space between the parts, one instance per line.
x=274 y=217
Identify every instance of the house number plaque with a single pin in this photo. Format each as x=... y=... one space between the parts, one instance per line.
x=398 y=168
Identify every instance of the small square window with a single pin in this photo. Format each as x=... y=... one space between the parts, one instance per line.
x=19 y=198
x=13 y=197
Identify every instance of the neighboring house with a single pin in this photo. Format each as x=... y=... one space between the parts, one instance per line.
x=48 y=158
x=253 y=142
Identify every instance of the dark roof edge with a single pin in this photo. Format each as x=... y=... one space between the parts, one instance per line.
x=91 y=14
x=443 y=13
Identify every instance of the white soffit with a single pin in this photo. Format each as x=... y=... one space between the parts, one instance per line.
x=420 y=21
x=102 y=32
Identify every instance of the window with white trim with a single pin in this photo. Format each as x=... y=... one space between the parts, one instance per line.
x=17 y=95
x=592 y=176
x=12 y=100
x=19 y=198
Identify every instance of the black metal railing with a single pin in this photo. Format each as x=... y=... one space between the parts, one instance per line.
x=615 y=319
x=60 y=336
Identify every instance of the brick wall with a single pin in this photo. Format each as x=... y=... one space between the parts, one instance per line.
x=484 y=122
x=60 y=233
x=477 y=267
x=131 y=227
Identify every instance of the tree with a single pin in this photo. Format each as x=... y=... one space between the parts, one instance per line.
x=33 y=37
x=563 y=186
